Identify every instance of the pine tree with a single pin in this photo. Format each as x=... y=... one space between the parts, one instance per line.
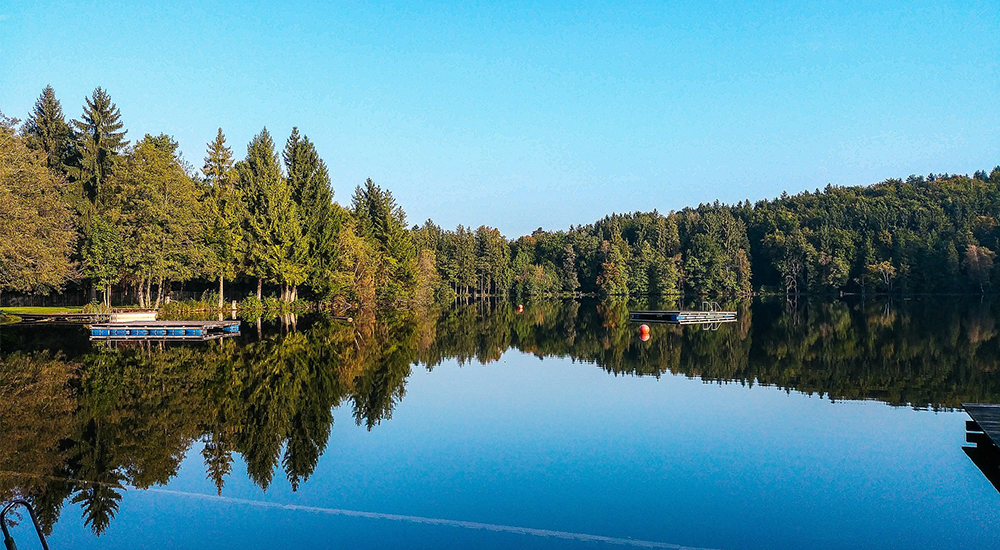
x=99 y=142
x=309 y=182
x=46 y=130
x=218 y=168
x=225 y=215
x=274 y=235
x=382 y=221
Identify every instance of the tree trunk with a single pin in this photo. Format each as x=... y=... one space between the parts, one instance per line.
x=260 y=285
x=159 y=292
x=221 y=301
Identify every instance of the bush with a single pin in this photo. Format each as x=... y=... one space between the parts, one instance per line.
x=271 y=303
x=251 y=303
x=96 y=307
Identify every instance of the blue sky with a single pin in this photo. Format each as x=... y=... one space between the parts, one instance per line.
x=528 y=114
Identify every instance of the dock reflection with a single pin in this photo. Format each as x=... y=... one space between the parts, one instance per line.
x=984 y=452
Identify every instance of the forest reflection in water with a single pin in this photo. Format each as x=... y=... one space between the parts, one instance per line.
x=82 y=422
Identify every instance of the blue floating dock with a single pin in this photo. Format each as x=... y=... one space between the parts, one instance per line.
x=164 y=330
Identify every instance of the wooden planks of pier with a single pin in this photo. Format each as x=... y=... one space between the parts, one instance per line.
x=164 y=330
x=984 y=431
x=683 y=317
x=985 y=420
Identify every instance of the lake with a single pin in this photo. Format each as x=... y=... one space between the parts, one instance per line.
x=807 y=425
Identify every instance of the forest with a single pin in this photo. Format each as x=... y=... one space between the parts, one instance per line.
x=84 y=207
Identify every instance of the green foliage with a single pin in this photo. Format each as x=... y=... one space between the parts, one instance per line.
x=96 y=307
x=224 y=215
x=45 y=130
x=309 y=182
x=143 y=221
x=104 y=252
x=276 y=249
x=219 y=165
x=383 y=222
x=37 y=231
x=251 y=304
x=99 y=141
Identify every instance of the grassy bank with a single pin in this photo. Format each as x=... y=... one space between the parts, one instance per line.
x=40 y=310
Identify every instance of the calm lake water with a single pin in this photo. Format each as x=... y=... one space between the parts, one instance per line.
x=820 y=425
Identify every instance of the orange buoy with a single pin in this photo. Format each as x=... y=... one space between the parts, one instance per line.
x=520 y=308
x=644 y=332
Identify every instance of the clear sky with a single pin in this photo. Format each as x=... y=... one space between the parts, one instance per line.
x=528 y=114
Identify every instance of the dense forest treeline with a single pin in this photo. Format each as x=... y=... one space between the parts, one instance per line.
x=85 y=206
x=84 y=421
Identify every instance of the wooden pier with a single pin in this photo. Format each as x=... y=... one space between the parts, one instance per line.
x=984 y=431
x=164 y=330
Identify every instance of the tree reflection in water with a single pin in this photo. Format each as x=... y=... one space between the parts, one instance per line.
x=81 y=423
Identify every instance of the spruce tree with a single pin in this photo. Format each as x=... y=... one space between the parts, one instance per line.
x=275 y=247
x=46 y=130
x=99 y=142
x=383 y=222
x=225 y=215
x=218 y=168
x=309 y=183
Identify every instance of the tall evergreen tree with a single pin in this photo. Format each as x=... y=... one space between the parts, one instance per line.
x=218 y=168
x=99 y=142
x=46 y=130
x=225 y=214
x=382 y=221
x=274 y=235
x=309 y=182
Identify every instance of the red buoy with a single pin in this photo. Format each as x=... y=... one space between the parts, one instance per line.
x=644 y=332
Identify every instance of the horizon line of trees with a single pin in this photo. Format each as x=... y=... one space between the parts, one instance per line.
x=82 y=204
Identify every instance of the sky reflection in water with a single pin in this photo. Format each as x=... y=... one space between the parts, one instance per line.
x=549 y=444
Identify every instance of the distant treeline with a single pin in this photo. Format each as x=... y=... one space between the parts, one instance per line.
x=82 y=204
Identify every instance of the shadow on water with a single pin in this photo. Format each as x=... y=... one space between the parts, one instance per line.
x=81 y=422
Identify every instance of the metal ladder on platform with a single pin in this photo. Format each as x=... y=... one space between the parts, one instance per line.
x=8 y=541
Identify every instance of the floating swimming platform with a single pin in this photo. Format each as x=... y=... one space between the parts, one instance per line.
x=60 y=318
x=164 y=330
x=710 y=314
x=116 y=316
